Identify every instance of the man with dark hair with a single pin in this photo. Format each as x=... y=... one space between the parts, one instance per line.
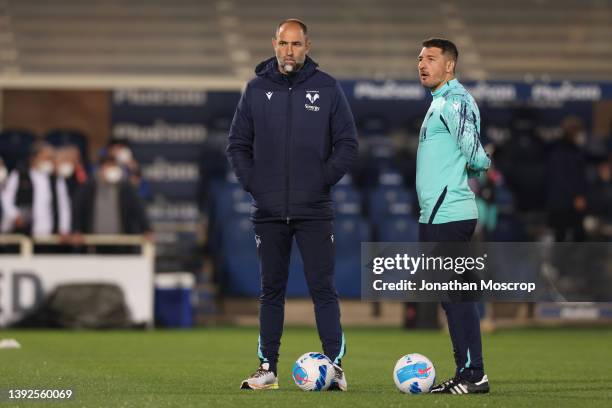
x=566 y=202
x=448 y=48
x=449 y=153
x=121 y=149
x=292 y=138
x=109 y=204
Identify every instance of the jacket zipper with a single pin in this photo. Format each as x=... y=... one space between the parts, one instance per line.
x=287 y=152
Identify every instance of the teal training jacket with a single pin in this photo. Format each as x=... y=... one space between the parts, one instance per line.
x=449 y=153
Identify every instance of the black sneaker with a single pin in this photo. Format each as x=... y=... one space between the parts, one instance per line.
x=459 y=386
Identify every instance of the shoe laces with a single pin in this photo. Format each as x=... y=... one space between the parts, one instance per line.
x=450 y=381
x=260 y=372
x=338 y=372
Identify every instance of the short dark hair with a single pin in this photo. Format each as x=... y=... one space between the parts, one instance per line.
x=37 y=147
x=118 y=141
x=106 y=159
x=447 y=47
x=294 y=21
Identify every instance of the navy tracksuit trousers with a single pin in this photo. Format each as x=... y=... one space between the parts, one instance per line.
x=315 y=241
x=463 y=317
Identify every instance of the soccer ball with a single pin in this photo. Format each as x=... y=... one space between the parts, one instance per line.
x=313 y=372
x=414 y=374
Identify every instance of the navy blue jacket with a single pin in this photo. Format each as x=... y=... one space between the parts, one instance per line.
x=292 y=138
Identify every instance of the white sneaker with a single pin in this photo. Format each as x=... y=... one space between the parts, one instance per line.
x=339 y=382
x=262 y=379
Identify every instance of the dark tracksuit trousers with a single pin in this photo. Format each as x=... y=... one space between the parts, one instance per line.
x=316 y=244
x=463 y=317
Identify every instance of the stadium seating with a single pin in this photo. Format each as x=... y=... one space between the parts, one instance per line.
x=379 y=40
x=240 y=268
x=385 y=201
x=347 y=200
x=350 y=232
x=398 y=228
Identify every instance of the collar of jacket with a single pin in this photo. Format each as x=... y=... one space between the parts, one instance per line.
x=453 y=83
x=269 y=69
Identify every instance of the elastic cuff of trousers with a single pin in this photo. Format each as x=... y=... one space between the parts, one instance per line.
x=471 y=375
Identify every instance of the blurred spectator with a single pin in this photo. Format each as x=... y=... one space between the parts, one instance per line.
x=3 y=173
x=35 y=202
x=485 y=188
x=600 y=192
x=404 y=157
x=109 y=204
x=120 y=149
x=69 y=166
x=3 y=177
x=566 y=202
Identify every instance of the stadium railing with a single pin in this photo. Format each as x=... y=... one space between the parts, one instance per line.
x=26 y=244
x=30 y=276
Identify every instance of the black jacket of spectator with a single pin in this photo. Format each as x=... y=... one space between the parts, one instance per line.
x=132 y=213
x=566 y=177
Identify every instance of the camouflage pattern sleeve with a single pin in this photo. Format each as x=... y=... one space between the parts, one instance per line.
x=462 y=118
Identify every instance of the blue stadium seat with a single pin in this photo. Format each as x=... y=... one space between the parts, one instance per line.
x=398 y=228
x=347 y=200
x=15 y=145
x=239 y=264
x=231 y=199
x=389 y=200
x=373 y=126
x=349 y=232
x=379 y=161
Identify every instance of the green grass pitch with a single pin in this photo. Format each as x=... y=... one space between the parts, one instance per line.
x=204 y=367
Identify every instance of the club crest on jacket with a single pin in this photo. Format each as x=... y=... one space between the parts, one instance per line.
x=312 y=97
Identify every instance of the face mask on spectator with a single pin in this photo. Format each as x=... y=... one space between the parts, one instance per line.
x=45 y=166
x=65 y=169
x=113 y=174
x=124 y=155
x=581 y=138
x=3 y=174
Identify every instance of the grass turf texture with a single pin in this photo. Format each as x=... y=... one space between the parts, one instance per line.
x=204 y=367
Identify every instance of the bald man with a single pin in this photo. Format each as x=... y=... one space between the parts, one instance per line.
x=292 y=138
